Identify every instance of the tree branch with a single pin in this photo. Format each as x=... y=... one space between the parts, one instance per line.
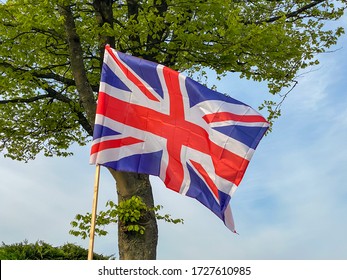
x=38 y=74
x=291 y=14
x=78 y=69
x=153 y=43
x=297 y=12
x=56 y=77
x=82 y=120
x=27 y=100
x=104 y=15
x=53 y=94
x=133 y=12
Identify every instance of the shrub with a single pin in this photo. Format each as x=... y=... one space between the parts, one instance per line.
x=41 y=250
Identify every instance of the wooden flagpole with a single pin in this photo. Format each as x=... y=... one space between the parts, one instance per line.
x=95 y=204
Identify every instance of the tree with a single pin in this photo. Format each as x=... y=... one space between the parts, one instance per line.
x=51 y=54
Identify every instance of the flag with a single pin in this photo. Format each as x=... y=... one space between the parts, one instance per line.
x=151 y=119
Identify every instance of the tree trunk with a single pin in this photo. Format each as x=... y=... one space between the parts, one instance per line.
x=136 y=246
x=132 y=246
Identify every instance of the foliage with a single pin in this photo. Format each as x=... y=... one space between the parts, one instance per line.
x=128 y=213
x=51 y=52
x=41 y=250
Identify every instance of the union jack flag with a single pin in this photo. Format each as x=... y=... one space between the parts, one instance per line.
x=151 y=119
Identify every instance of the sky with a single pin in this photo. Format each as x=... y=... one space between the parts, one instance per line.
x=291 y=204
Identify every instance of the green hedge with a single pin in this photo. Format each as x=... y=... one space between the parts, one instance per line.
x=44 y=251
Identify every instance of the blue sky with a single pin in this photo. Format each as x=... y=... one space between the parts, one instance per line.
x=291 y=204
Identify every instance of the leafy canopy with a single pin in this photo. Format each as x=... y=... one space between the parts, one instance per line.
x=41 y=106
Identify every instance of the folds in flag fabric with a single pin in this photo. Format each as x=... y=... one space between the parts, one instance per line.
x=151 y=119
